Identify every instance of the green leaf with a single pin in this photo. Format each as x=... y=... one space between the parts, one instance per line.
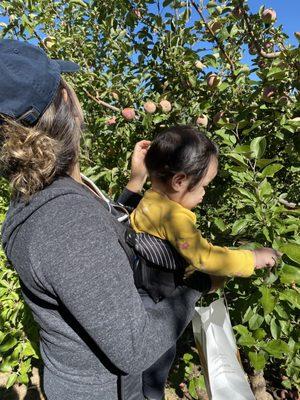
x=265 y=231
x=277 y=348
x=292 y=296
x=259 y=334
x=292 y=250
x=246 y=193
x=275 y=329
x=276 y=73
x=264 y=188
x=267 y=300
x=5 y=366
x=270 y=170
x=263 y=162
x=220 y=224
x=281 y=311
x=8 y=344
x=257 y=360
x=255 y=321
x=240 y=159
x=3 y=336
x=187 y=357
x=29 y=350
x=24 y=378
x=289 y=274
x=258 y=146
x=247 y=340
x=248 y=314
x=78 y=2
x=241 y=329
x=239 y=226
x=11 y=380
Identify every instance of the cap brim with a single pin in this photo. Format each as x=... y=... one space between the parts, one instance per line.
x=67 y=66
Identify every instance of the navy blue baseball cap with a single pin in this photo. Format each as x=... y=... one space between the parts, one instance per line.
x=29 y=80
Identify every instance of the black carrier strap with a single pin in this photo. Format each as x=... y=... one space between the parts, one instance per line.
x=158 y=278
x=157 y=267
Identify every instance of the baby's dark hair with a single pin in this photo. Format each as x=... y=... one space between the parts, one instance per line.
x=180 y=148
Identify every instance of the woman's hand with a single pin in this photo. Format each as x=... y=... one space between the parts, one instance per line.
x=139 y=173
x=266 y=257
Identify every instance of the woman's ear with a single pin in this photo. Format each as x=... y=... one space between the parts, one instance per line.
x=179 y=181
x=65 y=95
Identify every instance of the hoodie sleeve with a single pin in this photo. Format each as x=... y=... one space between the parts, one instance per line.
x=129 y=198
x=90 y=274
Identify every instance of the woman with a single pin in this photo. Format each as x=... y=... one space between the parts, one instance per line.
x=60 y=238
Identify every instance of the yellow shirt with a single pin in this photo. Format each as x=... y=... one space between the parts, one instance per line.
x=157 y=215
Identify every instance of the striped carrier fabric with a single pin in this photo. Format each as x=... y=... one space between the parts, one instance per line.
x=158 y=251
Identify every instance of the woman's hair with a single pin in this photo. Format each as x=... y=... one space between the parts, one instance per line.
x=31 y=156
x=180 y=148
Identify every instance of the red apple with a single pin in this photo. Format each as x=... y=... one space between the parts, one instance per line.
x=150 y=107
x=213 y=80
x=297 y=35
x=202 y=120
x=166 y=106
x=137 y=13
x=128 y=114
x=269 y=93
x=268 y=15
x=115 y=95
x=49 y=42
x=111 y=121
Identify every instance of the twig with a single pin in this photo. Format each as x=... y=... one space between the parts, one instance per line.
x=101 y=102
x=287 y=203
x=257 y=46
x=40 y=40
x=216 y=39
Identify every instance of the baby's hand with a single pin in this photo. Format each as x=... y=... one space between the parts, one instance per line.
x=265 y=257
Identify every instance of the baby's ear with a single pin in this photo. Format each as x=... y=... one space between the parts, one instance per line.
x=179 y=181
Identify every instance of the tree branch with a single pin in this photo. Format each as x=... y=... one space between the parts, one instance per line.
x=101 y=102
x=287 y=203
x=216 y=39
x=40 y=40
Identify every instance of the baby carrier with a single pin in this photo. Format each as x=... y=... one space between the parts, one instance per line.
x=157 y=267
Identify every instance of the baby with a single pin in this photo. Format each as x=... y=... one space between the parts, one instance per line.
x=181 y=163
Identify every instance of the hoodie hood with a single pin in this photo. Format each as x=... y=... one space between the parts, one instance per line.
x=18 y=212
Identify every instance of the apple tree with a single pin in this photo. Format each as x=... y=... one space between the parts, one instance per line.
x=223 y=67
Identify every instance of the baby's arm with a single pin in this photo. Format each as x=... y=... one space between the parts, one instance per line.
x=215 y=260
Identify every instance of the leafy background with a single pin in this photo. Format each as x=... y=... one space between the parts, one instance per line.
x=137 y=51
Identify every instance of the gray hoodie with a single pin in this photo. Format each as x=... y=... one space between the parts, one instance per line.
x=78 y=283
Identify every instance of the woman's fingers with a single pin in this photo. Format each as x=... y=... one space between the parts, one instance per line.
x=143 y=145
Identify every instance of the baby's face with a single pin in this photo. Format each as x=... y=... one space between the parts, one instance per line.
x=191 y=198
